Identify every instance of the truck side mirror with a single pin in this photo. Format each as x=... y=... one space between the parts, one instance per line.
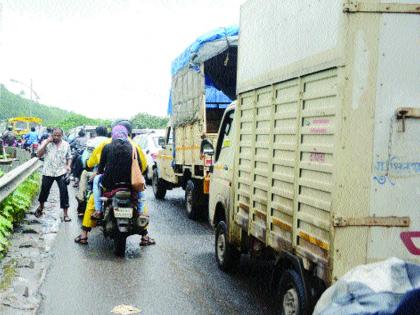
x=206 y=147
x=161 y=141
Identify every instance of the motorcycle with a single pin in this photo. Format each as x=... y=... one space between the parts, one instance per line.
x=120 y=217
x=33 y=148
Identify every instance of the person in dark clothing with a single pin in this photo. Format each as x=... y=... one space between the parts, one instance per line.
x=9 y=137
x=79 y=144
x=115 y=168
x=94 y=207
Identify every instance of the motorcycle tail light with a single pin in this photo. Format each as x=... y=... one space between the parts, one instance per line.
x=208 y=161
x=35 y=145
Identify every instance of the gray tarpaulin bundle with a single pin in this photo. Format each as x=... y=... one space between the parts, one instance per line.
x=388 y=287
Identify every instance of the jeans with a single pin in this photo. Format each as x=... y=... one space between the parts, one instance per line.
x=97 y=196
x=97 y=193
x=47 y=182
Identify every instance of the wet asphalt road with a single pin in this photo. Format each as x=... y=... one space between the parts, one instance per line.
x=178 y=275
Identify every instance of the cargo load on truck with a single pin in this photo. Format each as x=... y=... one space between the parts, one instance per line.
x=205 y=73
x=203 y=85
x=324 y=142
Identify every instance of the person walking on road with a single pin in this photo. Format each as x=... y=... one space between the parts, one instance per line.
x=57 y=164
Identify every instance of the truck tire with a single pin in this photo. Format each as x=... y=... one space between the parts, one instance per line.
x=227 y=256
x=159 y=188
x=119 y=243
x=292 y=294
x=192 y=199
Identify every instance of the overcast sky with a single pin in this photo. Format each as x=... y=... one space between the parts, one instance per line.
x=103 y=58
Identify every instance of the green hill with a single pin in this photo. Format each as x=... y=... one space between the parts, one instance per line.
x=12 y=105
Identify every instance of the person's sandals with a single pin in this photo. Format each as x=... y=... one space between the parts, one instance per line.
x=66 y=218
x=81 y=240
x=39 y=212
x=147 y=240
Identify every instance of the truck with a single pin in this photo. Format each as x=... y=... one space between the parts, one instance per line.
x=316 y=166
x=203 y=84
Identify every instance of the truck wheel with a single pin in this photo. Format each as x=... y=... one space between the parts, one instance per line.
x=120 y=242
x=227 y=256
x=192 y=199
x=292 y=294
x=159 y=188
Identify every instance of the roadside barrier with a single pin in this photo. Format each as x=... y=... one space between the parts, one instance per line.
x=11 y=180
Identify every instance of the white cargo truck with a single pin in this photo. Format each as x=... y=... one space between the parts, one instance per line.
x=203 y=85
x=318 y=163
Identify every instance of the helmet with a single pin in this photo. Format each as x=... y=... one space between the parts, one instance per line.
x=101 y=131
x=123 y=122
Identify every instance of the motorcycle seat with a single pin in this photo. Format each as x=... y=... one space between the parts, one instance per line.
x=122 y=193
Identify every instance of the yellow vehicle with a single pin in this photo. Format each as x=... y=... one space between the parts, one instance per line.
x=22 y=125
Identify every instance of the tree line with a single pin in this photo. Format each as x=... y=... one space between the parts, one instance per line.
x=12 y=105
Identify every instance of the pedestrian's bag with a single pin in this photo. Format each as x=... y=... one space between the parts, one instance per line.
x=137 y=179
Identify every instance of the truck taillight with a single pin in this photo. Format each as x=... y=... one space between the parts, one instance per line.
x=154 y=156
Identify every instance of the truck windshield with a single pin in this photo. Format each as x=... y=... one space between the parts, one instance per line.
x=224 y=132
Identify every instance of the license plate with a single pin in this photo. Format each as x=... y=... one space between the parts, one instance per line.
x=123 y=213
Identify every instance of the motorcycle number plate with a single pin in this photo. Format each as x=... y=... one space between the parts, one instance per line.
x=123 y=213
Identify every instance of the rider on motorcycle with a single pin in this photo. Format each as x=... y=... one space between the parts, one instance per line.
x=30 y=138
x=94 y=160
x=87 y=175
x=114 y=168
x=78 y=145
x=9 y=137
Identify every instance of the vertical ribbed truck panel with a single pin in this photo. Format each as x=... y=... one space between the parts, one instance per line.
x=326 y=162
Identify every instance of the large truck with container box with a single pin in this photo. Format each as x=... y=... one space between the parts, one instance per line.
x=203 y=84
x=318 y=164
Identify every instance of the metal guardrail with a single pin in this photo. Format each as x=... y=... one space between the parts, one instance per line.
x=21 y=156
x=11 y=180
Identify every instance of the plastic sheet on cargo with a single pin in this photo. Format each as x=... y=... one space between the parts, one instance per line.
x=206 y=47
x=388 y=287
x=189 y=111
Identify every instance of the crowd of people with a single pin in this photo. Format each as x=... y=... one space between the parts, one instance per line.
x=9 y=137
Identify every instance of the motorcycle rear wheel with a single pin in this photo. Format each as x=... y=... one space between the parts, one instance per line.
x=119 y=243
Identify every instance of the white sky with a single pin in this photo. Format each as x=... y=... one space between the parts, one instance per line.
x=103 y=58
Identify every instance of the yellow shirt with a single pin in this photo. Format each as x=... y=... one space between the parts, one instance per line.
x=95 y=157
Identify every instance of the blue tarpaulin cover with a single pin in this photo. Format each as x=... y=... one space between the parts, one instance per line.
x=195 y=50
x=202 y=49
